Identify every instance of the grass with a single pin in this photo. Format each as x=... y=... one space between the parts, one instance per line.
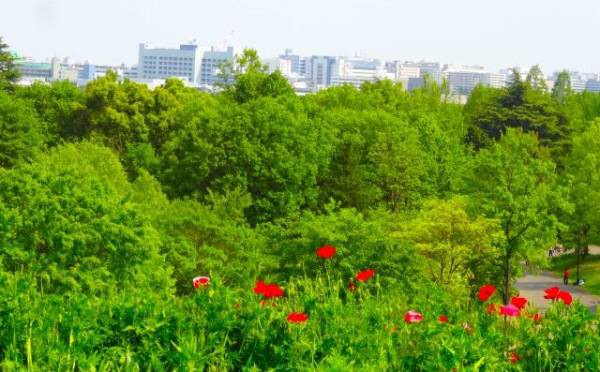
x=589 y=270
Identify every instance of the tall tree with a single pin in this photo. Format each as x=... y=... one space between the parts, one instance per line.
x=9 y=74
x=513 y=182
x=247 y=79
x=562 y=87
x=582 y=175
x=536 y=80
x=398 y=165
x=491 y=112
x=459 y=249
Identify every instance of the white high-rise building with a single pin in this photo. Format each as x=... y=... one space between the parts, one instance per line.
x=298 y=63
x=463 y=79
x=405 y=71
x=319 y=71
x=593 y=85
x=211 y=62
x=279 y=64
x=163 y=63
x=190 y=62
x=357 y=70
x=431 y=69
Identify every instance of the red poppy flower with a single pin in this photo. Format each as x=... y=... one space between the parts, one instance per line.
x=365 y=275
x=519 y=302
x=513 y=357
x=491 y=308
x=259 y=287
x=565 y=297
x=537 y=317
x=200 y=281
x=413 y=317
x=326 y=252
x=551 y=293
x=297 y=317
x=486 y=292
x=510 y=310
x=268 y=290
x=443 y=319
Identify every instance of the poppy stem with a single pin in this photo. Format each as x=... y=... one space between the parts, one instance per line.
x=505 y=334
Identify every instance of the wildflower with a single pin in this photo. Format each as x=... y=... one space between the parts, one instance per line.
x=443 y=319
x=365 y=275
x=551 y=293
x=491 y=308
x=200 y=281
x=297 y=317
x=519 y=302
x=326 y=252
x=268 y=290
x=413 y=317
x=537 y=317
x=351 y=286
x=565 y=297
x=513 y=357
x=486 y=292
x=259 y=287
x=510 y=310
x=555 y=293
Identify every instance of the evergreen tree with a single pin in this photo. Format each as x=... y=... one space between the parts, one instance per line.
x=535 y=79
x=562 y=87
x=9 y=74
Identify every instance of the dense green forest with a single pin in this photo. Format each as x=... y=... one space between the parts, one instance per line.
x=113 y=198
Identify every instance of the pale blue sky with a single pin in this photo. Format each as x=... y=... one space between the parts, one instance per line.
x=554 y=33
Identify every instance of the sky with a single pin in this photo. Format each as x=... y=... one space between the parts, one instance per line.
x=556 y=34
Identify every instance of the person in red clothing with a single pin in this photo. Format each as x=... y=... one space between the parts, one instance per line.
x=566 y=276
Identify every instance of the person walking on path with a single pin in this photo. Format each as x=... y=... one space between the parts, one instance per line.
x=566 y=276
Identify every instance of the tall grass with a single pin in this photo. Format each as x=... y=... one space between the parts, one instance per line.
x=221 y=328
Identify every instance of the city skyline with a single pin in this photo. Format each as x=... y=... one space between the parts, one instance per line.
x=496 y=35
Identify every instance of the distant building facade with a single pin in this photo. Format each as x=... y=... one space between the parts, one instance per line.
x=463 y=79
x=163 y=63
x=357 y=70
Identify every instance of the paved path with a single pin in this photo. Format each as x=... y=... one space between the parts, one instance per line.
x=532 y=286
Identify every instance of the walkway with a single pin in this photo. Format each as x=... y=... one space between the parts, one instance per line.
x=532 y=286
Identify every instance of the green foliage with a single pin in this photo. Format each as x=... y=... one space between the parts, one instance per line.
x=536 y=80
x=526 y=106
x=116 y=112
x=219 y=328
x=268 y=147
x=582 y=180
x=247 y=79
x=66 y=220
x=114 y=197
x=460 y=250
x=22 y=134
x=361 y=243
x=562 y=87
x=515 y=183
x=9 y=74
x=59 y=105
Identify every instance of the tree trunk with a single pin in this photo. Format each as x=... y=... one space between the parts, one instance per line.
x=578 y=252
x=505 y=295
